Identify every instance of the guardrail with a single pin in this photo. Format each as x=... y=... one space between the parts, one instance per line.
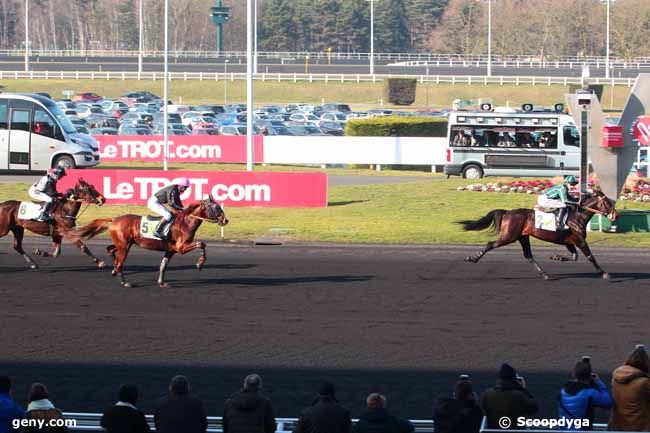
x=520 y=63
x=20 y=52
x=327 y=78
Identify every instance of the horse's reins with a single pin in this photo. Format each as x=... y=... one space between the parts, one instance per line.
x=203 y=219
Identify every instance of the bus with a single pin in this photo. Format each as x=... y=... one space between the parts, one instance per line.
x=36 y=135
x=512 y=142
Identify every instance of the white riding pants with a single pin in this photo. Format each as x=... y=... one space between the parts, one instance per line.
x=38 y=195
x=549 y=203
x=154 y=205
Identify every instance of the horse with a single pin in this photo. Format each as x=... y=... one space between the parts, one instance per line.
x=125 y=232
x=64 y=214
x=519 y=225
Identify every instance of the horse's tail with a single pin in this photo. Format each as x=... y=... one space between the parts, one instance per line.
x=90 y=230
x=492 y=220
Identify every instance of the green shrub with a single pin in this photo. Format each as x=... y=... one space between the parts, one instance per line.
x=594 y=88
x=397 y=126
x=401 y=91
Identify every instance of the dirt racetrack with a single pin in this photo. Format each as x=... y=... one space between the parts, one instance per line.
x=400 y=320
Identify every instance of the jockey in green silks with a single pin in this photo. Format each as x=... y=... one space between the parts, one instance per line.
x=557 y=197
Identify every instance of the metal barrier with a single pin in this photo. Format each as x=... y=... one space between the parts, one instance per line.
x=326 y=78
x=89 y=422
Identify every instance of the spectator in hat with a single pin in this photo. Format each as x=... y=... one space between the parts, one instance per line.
x=40 y=408
x=509 y=398
x=179 y=411
x=459 y=414
x=580 y=395
x=248 y=411
x=325 y=415
x=124 y=416
x=9 y=410
x=378 y=420
x=631 y=392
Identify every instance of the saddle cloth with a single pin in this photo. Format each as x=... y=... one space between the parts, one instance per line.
x=148 y=226
x=29 y=210
x=545 y=220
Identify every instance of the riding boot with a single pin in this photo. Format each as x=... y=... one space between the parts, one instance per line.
x=565 y=220
x=160 y=228
x=45 y=212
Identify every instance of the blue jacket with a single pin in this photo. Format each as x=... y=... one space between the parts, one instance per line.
x=9 y=411
x=577 y=400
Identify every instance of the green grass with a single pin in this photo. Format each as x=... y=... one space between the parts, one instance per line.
x=422 y=212
x=361 y=96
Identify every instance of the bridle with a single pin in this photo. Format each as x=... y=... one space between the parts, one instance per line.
x=94 y=200
x=215 y=219
x=601 y=199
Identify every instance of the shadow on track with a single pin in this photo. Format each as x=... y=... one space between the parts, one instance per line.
x=272 y=281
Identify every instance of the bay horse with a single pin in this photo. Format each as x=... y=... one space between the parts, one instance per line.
x=125 y=232
x=519 y=225
x=64 y=216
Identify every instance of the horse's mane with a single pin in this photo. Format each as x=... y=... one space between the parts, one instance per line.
x=191 y=208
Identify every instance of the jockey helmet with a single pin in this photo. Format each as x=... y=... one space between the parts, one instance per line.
x=182 y=181
x=571 y=180
x=58 y=172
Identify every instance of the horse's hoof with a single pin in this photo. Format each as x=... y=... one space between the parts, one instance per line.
x=36 y=252
x=164 y=285
x=33 y=266
x=558 y=258
x=605 y=276
x=470 y=259
x=127 y=285
x=113 y=272
x=546 y=277
x=101 y=264
x=199 y=266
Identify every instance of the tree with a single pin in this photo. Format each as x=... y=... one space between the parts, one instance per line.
x=422 y=17
x=354 y=26
x=461 y=30
x=391 y=29
x=277 y=27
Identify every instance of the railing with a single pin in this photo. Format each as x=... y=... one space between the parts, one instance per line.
x=399 y=57
x=327 y=78
x=521 y=63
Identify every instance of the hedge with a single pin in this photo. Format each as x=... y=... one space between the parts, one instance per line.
x=397 y=126
x=401 y=91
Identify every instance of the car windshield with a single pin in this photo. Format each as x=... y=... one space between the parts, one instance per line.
x=64 y=122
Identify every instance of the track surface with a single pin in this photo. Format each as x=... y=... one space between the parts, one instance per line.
x=400 y=320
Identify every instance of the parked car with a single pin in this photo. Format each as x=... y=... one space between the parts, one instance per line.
x=134 y=130
x=235 y=108
x=82 y=129
x=172 y=129
x=334 y=116
x=345 y=108
x=303 y=117
x=84 y=111
x=235 y=129
x=66 y=105
x=332 y=128
x=205 y=131
x=214 y=109
x=86 y=97
x=171 y=118
x=306 y=130
x=379 y=113
x=105 y=130
x=279 y=130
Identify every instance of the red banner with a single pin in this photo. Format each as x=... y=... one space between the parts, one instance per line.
x=182 y=148
x=236 y=188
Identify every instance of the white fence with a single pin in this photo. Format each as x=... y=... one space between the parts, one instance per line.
x=326 y=78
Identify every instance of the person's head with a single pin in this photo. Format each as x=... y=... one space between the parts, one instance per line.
x=252 y=382
x=507 y=373
x=179 y=386
x=582 y=371
x=57 y=173
x=463 y=389
x=183 y=183
x=570 y=180
x=5 y=384
x=639 y=359
x=38 y=391
x=376 y=401
x=129 y=394
x=327 y=389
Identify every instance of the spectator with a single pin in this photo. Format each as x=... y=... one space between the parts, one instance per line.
x=40 y=408
x=508 y=399
x=248 y=411
x=631 y=392
x=180 y=412
x=326 y=415
x=579 y=396
x=9 y=410
x=460 y=414
x=378 y=420
x=124 y=417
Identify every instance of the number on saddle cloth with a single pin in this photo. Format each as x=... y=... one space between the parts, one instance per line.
x=29 y=210
x=148 y=226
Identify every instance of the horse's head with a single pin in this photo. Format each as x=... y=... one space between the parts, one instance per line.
x=213 y=211
x=601 y=203
x=85 y=192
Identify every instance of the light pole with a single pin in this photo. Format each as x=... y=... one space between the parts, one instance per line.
x=140 y=39
x=608 y=3
x=255 y=41
x=489 y=58
x=249 y=86
x=225 y=82
x=166 y=90
x=26 y=35
x=372 y=36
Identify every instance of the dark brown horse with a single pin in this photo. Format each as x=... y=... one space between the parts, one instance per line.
x=125 y=231
x=519 y=225
x=64 y=215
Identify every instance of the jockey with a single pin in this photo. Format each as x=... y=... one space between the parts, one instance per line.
x=45 y=191
x=557 y=197
x=169 y=195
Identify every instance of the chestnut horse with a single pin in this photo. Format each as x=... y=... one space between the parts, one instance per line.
x=125 y=231
x=519 y=225
x=64 y=216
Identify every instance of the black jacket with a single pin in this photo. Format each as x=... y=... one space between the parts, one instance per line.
x=507 y=399
x=325 y=416
x=124 y=419
x=457 y=416
x=380 y=421
x=170 y=195
x=180 y=414
x=248 y=412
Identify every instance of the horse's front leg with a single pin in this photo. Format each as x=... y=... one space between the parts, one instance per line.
x=163 y=268
x=584 y=247
x=186 y=248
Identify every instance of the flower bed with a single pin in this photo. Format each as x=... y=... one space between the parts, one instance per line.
x=536 y=186
x=636 y=189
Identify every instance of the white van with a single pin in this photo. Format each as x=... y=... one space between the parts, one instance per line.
x=35 y=135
